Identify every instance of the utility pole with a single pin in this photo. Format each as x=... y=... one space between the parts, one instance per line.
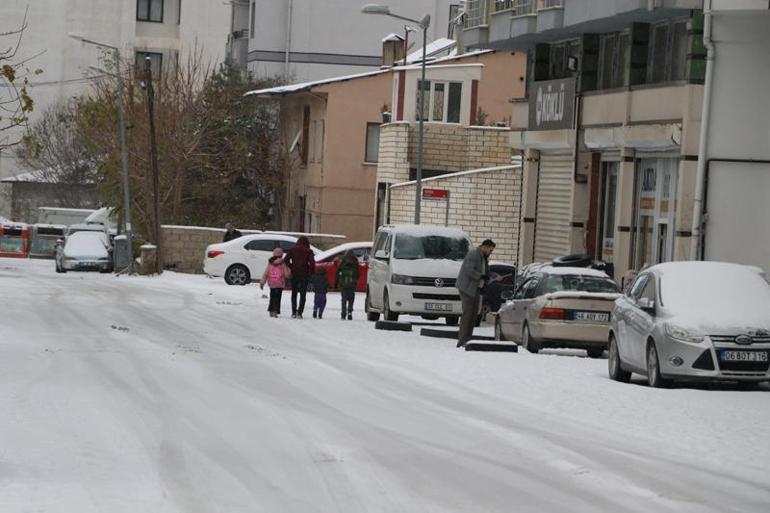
x=154 y=163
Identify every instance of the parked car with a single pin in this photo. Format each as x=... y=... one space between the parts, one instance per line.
x=502 y=279
x=560 y=307
x=692 y=321
x=243 y=260
x=84 y=251
x=414 y=271
x=331 y=259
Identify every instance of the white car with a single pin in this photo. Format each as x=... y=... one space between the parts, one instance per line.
x=692 y=321
x=414 y=271
x=243 y=260
x=84 y=251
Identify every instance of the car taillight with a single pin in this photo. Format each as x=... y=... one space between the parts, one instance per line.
x=552 y=313
x=215 y=253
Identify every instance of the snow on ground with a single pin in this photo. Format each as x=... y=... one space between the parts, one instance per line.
x=179 y=394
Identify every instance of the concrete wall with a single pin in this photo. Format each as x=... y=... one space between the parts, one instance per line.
x=328 y=38
x=486 y=204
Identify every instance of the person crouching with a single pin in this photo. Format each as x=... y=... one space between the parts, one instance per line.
x=320 y=286
x=275 y=276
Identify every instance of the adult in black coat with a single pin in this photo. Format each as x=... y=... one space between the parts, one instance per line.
x=231 y=233
x=301 y=262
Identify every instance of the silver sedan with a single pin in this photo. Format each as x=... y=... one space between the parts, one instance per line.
x=692 y=321
x=559 y=307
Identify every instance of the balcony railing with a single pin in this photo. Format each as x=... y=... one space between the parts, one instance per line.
x=516 y=7
x=548 y=4
x=476 y=13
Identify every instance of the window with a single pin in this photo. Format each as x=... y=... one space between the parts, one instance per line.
x=577 y=282
x=454 y=12
x=156 y=63
x=636 y=289
x=519 y=7
x=261 y=245
x=285 y=245
x=436 y=247
x=476 y=13
x=440 y=106
x=372 y=142
x=613 y=60
x=667 y=52
x=649 y=289
x=149 y=10
x=253 y=19
x=563 y=59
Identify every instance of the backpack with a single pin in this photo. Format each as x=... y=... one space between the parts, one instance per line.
x=347 y=275
x=276 y=276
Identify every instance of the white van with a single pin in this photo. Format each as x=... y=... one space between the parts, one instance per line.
x=413 y=270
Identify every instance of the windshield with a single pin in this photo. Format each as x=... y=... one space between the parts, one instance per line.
x=414 y=247
x=577 y=282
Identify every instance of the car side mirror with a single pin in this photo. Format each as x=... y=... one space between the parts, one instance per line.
x=506 y=295
x=647 y=305
x=381 y=255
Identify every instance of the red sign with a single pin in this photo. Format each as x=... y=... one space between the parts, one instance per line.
x=435 y=194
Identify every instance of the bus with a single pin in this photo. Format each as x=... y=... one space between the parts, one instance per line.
x=14 y=240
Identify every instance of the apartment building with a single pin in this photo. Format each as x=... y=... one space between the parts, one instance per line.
x=164 y=30
x=609 y=131
x=307 y=40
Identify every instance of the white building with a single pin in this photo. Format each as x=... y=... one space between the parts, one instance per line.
x=158 y=28
x=310 y=39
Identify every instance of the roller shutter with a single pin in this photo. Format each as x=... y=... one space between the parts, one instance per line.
x=554 y=206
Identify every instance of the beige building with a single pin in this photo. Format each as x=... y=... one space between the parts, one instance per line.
x=333 y=131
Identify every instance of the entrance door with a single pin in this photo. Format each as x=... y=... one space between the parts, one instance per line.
x=655 y=209
x=609 y=193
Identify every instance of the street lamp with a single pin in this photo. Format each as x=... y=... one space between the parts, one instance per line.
x=424 y=23
x=123 y=147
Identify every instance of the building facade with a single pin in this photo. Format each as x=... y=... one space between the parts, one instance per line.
x=307 y=40
x=609 y=132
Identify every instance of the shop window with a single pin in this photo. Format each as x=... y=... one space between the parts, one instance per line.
x=149 y=10
x=613 y=60
x=655 y=209
x=442 y=101
x=156 y=63
x=667 y=52
x=609 y=192
x=372 y=142
x=563 y=59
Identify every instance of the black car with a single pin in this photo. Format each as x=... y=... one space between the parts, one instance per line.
x=502 y=277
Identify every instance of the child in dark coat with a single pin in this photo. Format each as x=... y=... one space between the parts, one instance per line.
x=320 y=286
x=347 y=278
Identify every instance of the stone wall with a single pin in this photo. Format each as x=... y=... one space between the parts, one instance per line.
x=448 y=148
x=486 y=203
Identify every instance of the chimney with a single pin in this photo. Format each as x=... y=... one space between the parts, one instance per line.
x=392 y=49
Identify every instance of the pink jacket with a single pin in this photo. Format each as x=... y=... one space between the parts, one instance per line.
x=275 y=275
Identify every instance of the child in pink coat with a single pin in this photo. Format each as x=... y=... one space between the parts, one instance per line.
x=275 y=276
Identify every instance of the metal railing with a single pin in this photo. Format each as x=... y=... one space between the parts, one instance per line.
x=476 y=13
x=547 y=4
x=516 y=7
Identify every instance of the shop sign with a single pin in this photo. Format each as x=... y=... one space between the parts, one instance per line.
x=435 y=194
x=552 y=104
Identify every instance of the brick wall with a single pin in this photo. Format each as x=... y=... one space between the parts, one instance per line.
x=485 y=203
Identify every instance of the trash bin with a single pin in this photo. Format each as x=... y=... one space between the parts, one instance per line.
x=121 y=254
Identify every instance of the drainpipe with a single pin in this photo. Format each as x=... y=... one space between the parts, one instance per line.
x=288 y=43
x=700 y=183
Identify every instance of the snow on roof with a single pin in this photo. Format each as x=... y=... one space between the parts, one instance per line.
x=434 y=47
x=453 y=56
x=428 y=229
x=30 y=177
x=342 y=248
x=392 y=37
x=459 y=173
x=306 y=86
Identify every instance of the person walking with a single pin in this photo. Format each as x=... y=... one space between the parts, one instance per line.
x=275 y=276
x=231 y=233
x=320 y=286
x=470 y=282
x=301 y=262
x=347 y=279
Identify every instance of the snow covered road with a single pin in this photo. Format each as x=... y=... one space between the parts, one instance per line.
x=179 y=394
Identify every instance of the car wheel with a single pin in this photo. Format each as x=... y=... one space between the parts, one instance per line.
x=452 y=320
x=617 y=373
x=389 y=316
x=654 y=379
x=370 y=315
x=499 y=331
x=237 y=274
x=595 y=352
x=529 y=343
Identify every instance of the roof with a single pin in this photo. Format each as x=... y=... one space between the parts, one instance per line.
x=392 y=37
x=439 y=45
x=31 y=177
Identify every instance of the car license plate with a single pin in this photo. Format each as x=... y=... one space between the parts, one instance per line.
x=743 y=356
x=438 y=307
x=592 y=316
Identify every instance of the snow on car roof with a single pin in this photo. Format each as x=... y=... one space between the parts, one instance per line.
x=87 y=244
x=583 y=271
x=342 y=248
x=428 y=229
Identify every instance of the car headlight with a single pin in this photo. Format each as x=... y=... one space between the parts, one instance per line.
x=400 y=279
x=683 y=334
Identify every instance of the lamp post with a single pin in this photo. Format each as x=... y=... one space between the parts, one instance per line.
x=424 y=24
x=123 y=147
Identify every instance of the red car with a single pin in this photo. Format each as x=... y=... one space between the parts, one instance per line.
x=330 y=260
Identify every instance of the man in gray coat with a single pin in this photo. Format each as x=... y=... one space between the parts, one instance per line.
x=470 y=281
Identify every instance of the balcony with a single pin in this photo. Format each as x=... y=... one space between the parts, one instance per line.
x=550 y=15
x=476 y=30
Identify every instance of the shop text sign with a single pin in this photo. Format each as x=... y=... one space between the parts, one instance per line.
x=435 y=194
x=552 y=104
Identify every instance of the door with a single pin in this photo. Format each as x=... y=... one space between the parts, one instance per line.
x=640 y=322
x=608 y=199
x=655 y=211
x=553 y=219
x=517 y=313
x=378 y=270
x=256 y=254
